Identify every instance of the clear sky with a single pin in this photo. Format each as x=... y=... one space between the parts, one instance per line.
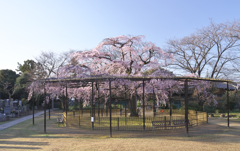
x=28 y=27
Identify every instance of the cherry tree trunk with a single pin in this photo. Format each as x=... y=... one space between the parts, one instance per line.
x=133 y=106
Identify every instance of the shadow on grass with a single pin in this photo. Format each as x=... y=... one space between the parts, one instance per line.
x=24 y=148
x=24 y=143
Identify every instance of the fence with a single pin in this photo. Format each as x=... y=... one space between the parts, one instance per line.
x=74 y=119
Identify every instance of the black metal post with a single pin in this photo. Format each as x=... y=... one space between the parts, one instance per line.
x=154 y=104
x=98 y=100
x=79 y=111
x=49 y=108
x=81 y=102
x=45 y=108
x=110 y=99
x=66 y=106
x=143 y=108
x=170 y=105
x=228 y=103
x=125 y=106
x=33 y=104
x=186 y=104
x=92 y=108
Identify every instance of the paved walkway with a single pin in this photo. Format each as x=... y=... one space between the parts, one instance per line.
x=9 y=124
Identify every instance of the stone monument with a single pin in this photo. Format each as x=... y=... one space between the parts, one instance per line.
x=2 y=117
x=7 y=109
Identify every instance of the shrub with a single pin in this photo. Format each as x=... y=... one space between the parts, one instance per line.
x=173 y=106
x=119 y=106
x=138 y=104
x=192 y=106
x=237 y=110
x=209 y=109
x=231 y=105
x=59 y=106
x=164 y=106
x=182 y=107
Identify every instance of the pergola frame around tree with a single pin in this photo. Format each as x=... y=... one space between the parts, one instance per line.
x=143 y=79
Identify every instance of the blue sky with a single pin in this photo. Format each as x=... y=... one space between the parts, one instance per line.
x=28 y=27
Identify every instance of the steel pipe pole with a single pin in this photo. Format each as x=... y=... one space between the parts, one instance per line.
x=110 y=99
x=228 y=103
x=186 y=104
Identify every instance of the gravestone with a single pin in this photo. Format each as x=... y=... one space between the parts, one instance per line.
x=20 y=103
x=24 y=109
x=2 y=117
x=15 y=104
x=11 y=104
x=27 y=107
x=7 y=108
x=52 y=104
x=2 y=105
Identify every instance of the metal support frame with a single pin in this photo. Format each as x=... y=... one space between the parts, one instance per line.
x=137 y=79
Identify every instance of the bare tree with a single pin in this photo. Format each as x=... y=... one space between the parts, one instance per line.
x=8 y=88
x=213 y=47
x=50 y=62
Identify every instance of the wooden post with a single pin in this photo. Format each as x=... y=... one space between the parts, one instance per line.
x=186 y=104
x=165 y=122
x=44 y=109
x=196 y=117
x=228 y=103
x=118 y=123
x=143 y=108
x=110 y=99
x=207 y=116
